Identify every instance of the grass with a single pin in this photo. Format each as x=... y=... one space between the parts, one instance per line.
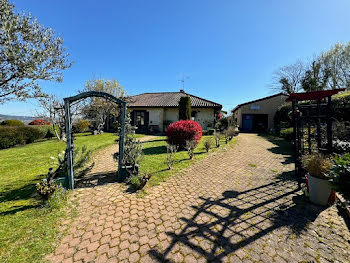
x=27 y=231
x=154 y=159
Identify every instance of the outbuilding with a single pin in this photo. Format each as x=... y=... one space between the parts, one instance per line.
x=258 y=115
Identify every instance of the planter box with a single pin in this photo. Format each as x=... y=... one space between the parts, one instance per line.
x=319 y=190
x=124 y=173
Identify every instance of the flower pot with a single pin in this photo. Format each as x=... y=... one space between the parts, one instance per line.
x=319 y=189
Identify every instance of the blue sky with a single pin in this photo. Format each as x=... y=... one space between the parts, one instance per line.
x=229 y=49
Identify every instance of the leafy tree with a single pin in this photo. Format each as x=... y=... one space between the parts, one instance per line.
x=316 y=78
x=97 y=110
x=185 y=108
x=29 y=52
x=336 y=62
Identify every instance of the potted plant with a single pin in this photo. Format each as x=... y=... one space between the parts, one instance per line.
x=340 y=177
x=132 y=152
x=318 y=167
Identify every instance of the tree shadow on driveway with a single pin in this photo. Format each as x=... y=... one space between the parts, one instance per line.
x=222 y=226
x=282 y=147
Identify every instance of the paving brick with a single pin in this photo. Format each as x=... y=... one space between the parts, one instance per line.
x=220 y=209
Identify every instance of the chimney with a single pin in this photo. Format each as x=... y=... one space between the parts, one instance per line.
x=182 y=91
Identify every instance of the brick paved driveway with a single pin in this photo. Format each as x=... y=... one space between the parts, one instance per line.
x=239 y=205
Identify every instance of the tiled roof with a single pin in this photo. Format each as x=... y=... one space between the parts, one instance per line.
x=254 y=101
x=168 y=99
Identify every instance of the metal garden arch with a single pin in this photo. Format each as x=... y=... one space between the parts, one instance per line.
x=67 y=103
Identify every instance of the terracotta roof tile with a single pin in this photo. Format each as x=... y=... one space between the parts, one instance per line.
x=167 y=99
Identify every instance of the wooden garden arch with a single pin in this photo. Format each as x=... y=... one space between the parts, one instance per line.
x=84 y=95
x=303 y=115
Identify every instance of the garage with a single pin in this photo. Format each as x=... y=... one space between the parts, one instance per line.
x=257 y=115
x=255 y=122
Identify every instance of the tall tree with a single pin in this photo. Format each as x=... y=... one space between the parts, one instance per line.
x=185 y=108
x=29 y=52
x=336 y=62
x=288 y=78
x=99 y=109
x=316 y=77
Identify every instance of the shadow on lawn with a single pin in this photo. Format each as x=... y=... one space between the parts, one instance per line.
x=154 y=150
x=237 y=219
x=22 y=193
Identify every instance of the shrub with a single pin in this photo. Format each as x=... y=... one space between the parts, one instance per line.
x=230 y=132
x=15 y=135
x=317 y=165
x=10 y=136
x=137 y=181
x=287 y=134
x=46 y=188
x=185 y=108
x=58 y=199
x=12 y=123
x=341 y=147
x=50 y=132
x=340 y=175
x=217 y=138
x=208 y=144
x=81 y=126
x=32 y=134
x=171 y=155
x=190 y=146
x=39 y=122
x=185 y=130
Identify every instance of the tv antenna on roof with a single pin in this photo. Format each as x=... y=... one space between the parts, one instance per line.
x=182 y=80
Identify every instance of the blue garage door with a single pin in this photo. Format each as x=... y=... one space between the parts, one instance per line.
x=247 y=122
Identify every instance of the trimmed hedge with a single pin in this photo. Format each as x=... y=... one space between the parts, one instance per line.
x=12 y=123
x=11 y=136
x=185 y=130
x=81 y=126
x=185 y=108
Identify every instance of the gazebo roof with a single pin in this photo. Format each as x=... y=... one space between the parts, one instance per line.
x=313 y=95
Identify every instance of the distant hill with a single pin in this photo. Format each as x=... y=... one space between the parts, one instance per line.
x=24 y=119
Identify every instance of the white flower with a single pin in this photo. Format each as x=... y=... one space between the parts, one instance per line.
x=53 y=158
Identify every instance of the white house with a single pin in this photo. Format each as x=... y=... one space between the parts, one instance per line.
x=153 y=112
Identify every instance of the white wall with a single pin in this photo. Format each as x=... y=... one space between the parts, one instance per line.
x=204 y=116
x=158 y=115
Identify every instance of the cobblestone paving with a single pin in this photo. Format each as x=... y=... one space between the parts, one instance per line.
x=105 y=167
x=239 y=205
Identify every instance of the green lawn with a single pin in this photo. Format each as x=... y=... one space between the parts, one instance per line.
x=154 y=158
x=26 y=230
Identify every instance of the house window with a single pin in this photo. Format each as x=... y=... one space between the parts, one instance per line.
x=140 y=118
x=193 y=115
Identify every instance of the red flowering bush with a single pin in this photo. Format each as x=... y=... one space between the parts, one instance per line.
x=39 y=122
x=185 y=130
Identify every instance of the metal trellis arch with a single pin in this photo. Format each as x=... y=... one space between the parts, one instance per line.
x=67 y=103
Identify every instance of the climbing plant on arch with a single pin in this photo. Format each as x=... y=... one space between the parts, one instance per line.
x=70 y=143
